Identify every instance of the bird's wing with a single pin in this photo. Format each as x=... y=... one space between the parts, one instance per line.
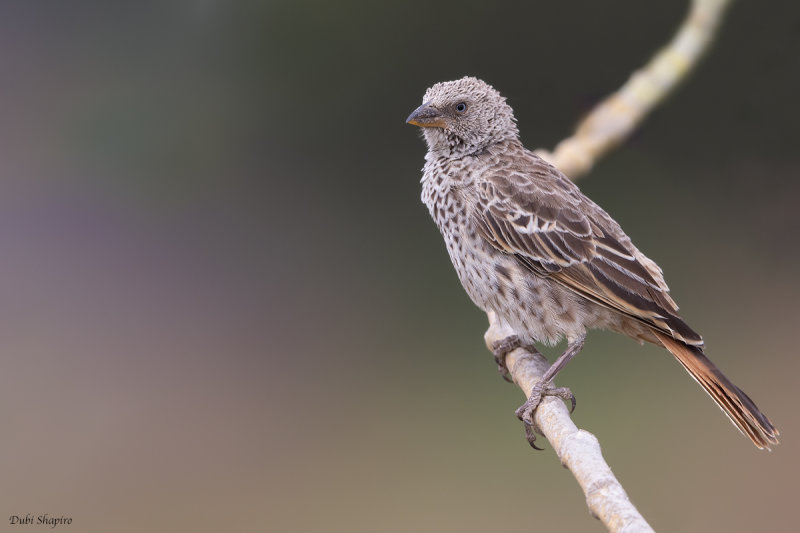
x=532 y=211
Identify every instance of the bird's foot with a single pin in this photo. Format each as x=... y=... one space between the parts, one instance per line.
x=526 y=410
x=500 y=349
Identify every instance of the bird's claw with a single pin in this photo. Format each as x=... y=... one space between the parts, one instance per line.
x=526 y=410
x=530 y=434
x=500 y=349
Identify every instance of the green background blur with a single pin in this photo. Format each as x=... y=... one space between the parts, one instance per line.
x=225 y=308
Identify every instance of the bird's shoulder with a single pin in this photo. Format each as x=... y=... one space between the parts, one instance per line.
x=523 y=191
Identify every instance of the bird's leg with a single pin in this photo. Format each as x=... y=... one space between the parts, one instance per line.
x=544 y=387
x=500 y=349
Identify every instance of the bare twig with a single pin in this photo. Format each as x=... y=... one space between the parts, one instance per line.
x=577 y=449
x=604 y=128
x=613 y=119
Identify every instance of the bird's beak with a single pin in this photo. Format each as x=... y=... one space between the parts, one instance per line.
x=426 y=116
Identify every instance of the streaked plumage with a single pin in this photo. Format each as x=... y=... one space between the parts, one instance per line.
x=528 y=245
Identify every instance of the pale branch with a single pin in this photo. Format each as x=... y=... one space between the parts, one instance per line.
x=604 y=128
x=577 y=449
x=613 y=119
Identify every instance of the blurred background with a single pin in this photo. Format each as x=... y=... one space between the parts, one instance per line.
x=225 y=308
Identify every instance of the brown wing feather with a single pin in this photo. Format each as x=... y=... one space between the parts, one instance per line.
x=529 y=209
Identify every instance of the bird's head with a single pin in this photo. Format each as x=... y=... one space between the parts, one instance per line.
x=462 y=117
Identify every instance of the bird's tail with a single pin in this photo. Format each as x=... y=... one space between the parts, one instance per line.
x=733 y=401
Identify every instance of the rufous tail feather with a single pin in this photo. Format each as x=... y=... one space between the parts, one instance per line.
x=732 y=400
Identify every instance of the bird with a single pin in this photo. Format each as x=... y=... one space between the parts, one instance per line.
x=530 y=247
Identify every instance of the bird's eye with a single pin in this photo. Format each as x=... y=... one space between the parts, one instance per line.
x=461 y=107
